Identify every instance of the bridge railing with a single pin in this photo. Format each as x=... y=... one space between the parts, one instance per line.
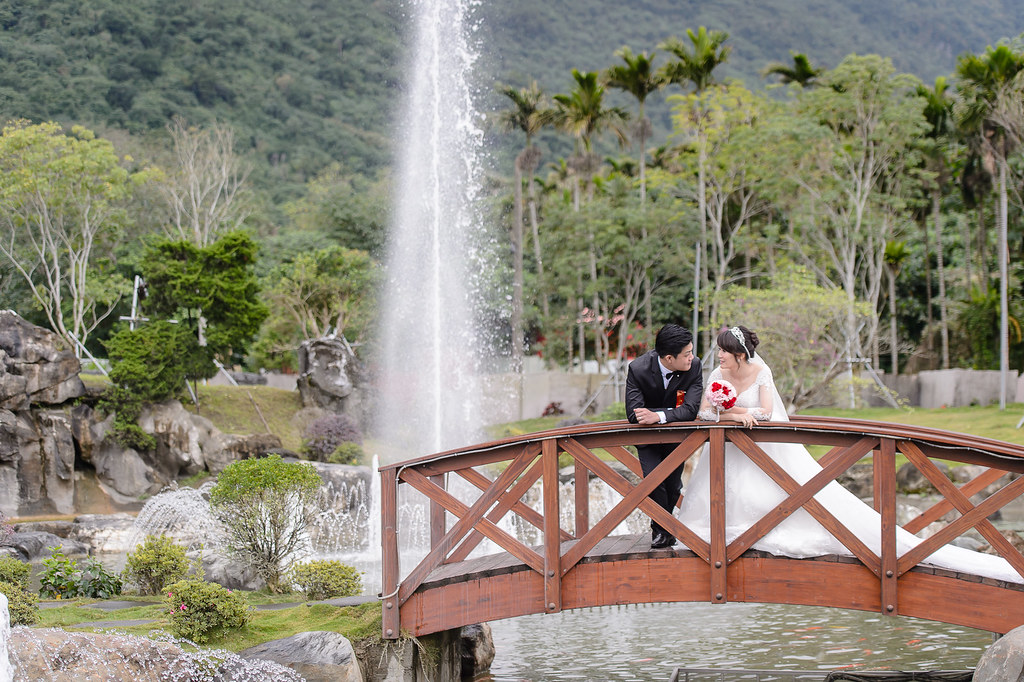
x=500 y=474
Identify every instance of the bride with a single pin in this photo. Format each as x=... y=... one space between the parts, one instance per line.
x=750 y=493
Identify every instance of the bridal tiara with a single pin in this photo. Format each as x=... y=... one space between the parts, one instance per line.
x=739 y=337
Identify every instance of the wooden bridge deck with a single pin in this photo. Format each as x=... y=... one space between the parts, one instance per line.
x=584 y=565
x=623 y=569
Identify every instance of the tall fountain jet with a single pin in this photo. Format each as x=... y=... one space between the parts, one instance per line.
x=428 y=389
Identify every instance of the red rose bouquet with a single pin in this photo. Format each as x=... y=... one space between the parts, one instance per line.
x=721 y=395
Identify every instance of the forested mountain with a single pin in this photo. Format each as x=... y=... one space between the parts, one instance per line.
x=307 y=82
x=306 y=94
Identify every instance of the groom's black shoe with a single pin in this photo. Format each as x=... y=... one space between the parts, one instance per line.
x=662 y=540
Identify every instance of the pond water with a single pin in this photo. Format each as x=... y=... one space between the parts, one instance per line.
x=647 y=642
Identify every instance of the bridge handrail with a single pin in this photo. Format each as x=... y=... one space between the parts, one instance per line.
x=938 y=438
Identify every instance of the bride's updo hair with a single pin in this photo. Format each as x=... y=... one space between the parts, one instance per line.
x=738 y=340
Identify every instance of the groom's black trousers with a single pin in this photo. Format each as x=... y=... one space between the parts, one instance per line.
x=667 y=492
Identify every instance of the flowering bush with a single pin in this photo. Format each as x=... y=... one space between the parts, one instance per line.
x=323 y=435
x=198 y=609
x=721 y=394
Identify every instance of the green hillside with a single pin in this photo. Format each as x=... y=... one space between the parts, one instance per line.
x=307 y=82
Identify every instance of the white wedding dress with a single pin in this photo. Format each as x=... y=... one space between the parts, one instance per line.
x=750 y=494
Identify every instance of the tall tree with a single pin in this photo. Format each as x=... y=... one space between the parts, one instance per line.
x=695 y=63
x=210 y=290
x=582 y=114
x=853 y=179
x=61 y=204
x=988 y=106
x=938 y=111
x=801 y=71
x=636 y=75
x=529 y=113
x=204 y=189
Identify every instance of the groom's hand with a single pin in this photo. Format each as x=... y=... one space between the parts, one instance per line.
x=645 y=416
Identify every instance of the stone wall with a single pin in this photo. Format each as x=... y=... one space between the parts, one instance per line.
x=952 y=387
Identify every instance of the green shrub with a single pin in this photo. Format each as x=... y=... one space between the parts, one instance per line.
x=58 y=580
x=199 y=610
x=347 y=453
x=22 y=604
x=611 y=413
x=323 y=579
x=96 y=582
x=266 y=506
x=62 y=578
x=14 y=571
x=156 y=563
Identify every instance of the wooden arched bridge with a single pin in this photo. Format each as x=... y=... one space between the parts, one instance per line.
x=585 y=565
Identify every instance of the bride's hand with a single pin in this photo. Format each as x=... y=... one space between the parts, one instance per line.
x=746 y=420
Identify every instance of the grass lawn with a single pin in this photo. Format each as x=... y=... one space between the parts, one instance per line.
x=355 y=622
x=234 y=410
x=988 y=421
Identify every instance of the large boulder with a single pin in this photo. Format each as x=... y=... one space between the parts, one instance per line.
x=477 y=650
x=37 y=463
x=1004 y=660
x=36 y=366
x=329 y=375
x=104 y=532
x=318 y=656
x=53 y=655
x=32 y=545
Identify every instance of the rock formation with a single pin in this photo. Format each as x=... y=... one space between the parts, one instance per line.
x=57 y=454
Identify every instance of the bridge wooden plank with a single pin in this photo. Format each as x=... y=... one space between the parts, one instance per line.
x=958 y=527
x=839 y=582
x=963 y=505
x=885 y=501
x=717 y=556
x=552 y=542
x=510 y=501
x=626 y=458
x=390 y=624
x=462 y=511
x=581 y=499
x=939 y=509
x=469 y=518
x=633 y=498
x=803 y=496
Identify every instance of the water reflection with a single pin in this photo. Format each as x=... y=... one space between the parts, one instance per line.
x=647 y=642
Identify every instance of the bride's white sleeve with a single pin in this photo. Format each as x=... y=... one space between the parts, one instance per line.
x=764 y=378
x=707 y=413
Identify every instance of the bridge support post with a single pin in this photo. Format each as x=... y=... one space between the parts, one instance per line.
x=885 y=501
x=390 y=624
x=716 y=451
x=437 y=514
x=552 y=539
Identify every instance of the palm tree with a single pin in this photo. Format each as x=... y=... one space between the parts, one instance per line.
x=800 y=71
x=637 y=77
x=528 y=114
x=938 y=110
x=896 y=253
x=989 y=95
x=695 y=64
x=583 y=115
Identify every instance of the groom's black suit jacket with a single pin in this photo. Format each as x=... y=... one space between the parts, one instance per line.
x=646 y=388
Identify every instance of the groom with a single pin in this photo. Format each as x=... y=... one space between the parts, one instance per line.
x=664 y=385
